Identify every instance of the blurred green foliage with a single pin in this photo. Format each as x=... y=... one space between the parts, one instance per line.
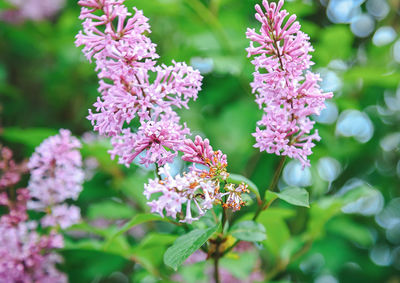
x=47 y=84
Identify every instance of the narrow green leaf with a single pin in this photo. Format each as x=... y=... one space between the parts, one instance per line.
x=270 y=196
x=352 y=231
x=185 y=245
x=109 y=210
x=248 y=231
x=238 y=179
x=30 y=137
x=295 y=196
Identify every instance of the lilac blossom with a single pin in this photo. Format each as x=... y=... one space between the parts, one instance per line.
x=25 y=256
x=56 y=175
x=63 y=215
x=285 y=88
x=152 y=137
x=190 y=195
x=126 y=61
x=10 y=175
x=10 y=171
x=189 y=189
x=16 y=208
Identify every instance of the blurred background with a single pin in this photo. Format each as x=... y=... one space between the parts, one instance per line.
x=47 y=84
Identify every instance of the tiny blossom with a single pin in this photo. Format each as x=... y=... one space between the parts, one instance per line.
x=200 y=152
x=285 y=89
x=16 y=208
x=153 y=138
x=234 y=199
x=10 y=175
x=10 y=171
x=125 y=58
x=56 y=174
x=62 y=215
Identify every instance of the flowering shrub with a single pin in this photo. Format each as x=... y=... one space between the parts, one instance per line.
x=147 y=197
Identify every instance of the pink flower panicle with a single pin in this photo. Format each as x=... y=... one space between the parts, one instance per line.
x=10 y=175
x=16 y=207
x=10 y=171
x=285 y=88
x=25 y=255
x=56 y=175
x=125 y=58
x=199 y=189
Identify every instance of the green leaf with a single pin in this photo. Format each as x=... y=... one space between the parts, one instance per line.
x=278 y=232
x=30 y=137
x=248 y=231
x=4 y=5
x=136 y=220
x=238 y=179
x=270 y=196
x=352 y=231
x=149 y=253
x=295 y=196
x=276 y=212
x=185 y=245
x=109 y=210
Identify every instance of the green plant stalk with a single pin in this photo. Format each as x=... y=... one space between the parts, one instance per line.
x=272 y=187
x=264 y=204
x=216 y=269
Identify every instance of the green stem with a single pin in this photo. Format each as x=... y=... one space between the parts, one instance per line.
x=264 y=205
x=277 y=174
x=272 y=186
x=224 y=218
x=216 y=269
x=156 y=171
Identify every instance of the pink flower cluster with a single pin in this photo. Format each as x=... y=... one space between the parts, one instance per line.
x=198 y=189
x=286 y=90
x=35 y=10
x=133 y=86
x=10 y=175
x=25 y=255
x=56 y=175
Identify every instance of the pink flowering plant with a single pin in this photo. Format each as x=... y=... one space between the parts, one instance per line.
x=137 y=109
x=169 y=204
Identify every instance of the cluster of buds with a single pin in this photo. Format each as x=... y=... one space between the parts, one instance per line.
x=199 y=189
x=234 y=193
